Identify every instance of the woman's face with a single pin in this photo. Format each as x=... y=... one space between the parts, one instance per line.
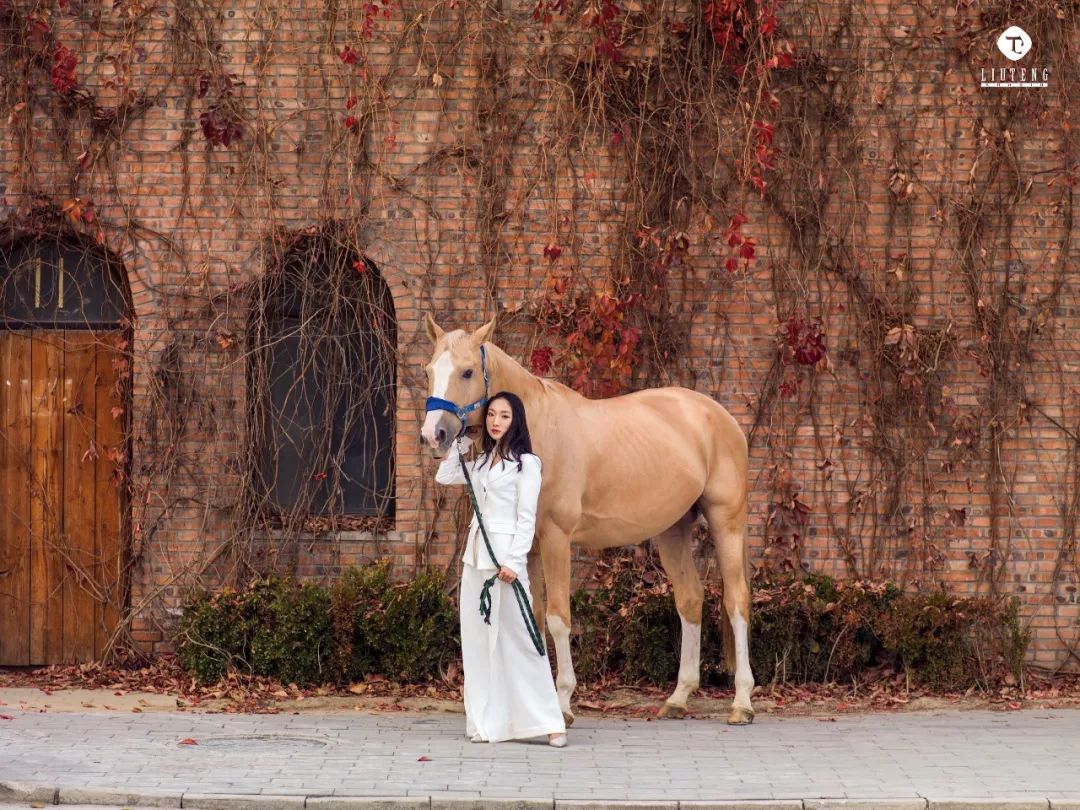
x=499 y=417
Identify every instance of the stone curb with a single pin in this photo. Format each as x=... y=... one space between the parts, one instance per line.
x=52 y=796
x=142 y=798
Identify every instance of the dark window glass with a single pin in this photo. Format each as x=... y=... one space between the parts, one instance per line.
x=323 y=380
x=51 y=283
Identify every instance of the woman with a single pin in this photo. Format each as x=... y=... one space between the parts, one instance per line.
x=509 y=693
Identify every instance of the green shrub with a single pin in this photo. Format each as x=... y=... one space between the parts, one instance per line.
x=946 y=643
x=816 y=629
x=803 y=630
x=626 y=629
x=420 y=630
x=357 y=602
x=215 y=635
x=303 y=633
x=291 y=641
x=276 y=627
x=404 y=631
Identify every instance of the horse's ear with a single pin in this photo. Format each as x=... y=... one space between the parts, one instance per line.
x=434 y=331
x=484 y=332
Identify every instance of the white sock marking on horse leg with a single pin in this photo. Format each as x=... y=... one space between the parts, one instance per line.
x=443 y=368
x=744 y=676
x=689 y=663
x=565 y=680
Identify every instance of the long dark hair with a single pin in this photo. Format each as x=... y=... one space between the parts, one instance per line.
x=515 y=442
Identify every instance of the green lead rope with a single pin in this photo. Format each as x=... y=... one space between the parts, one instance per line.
x=519 y=589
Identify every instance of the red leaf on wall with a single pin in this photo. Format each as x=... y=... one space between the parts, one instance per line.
x=540 y=360
x=62 y=74
x=219 y=128
x=806 y=340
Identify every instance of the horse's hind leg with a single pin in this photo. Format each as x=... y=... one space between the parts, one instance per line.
x=677 y=556
x=727 y=522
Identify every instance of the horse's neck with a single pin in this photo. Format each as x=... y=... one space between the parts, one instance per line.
x=507 y=374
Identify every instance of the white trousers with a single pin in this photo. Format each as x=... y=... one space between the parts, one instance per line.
x=509 y=691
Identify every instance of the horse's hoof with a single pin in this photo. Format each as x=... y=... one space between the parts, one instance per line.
x=740 y=716
x=568 y=718
x=672 y=711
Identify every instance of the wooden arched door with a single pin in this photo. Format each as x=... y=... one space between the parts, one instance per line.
x=64 y=375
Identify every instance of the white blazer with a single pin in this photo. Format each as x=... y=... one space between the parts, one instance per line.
x=507 y=498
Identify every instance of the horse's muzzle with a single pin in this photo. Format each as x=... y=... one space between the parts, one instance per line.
x=438 y=431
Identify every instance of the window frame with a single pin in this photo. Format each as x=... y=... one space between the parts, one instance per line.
x=277 y=315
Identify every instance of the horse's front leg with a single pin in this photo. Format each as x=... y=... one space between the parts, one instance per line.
x=536 y=587
x=556 y=559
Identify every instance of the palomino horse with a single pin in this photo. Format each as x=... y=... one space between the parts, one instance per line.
x=616 y=472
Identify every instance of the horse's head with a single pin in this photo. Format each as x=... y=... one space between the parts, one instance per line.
x=457 y=384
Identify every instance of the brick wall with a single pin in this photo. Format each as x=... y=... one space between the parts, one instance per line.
x=460 y=170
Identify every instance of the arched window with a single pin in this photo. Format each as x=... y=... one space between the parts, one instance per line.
x=322 y=382
x=48 y=283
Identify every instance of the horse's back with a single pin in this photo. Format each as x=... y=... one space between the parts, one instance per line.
x=632 y=466
x=687 y=411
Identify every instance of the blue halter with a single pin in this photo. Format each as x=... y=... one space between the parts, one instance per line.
x=461 y=411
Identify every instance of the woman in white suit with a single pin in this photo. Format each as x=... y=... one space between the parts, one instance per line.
x=509 y=691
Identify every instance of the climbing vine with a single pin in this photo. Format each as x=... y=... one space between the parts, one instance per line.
x=642 y=190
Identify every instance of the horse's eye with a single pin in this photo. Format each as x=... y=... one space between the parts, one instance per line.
x=467 y=374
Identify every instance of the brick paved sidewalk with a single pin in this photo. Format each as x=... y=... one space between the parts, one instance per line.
x=922 y=758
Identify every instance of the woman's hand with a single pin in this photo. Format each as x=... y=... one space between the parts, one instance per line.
x=507 y=575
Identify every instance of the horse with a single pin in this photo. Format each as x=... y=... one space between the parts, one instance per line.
x=616 y=472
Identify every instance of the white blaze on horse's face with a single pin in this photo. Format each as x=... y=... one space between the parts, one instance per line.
x=441 y=370
x=455 y=374
x=436 y=426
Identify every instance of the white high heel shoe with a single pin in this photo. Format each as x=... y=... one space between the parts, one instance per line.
x=557 y=740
